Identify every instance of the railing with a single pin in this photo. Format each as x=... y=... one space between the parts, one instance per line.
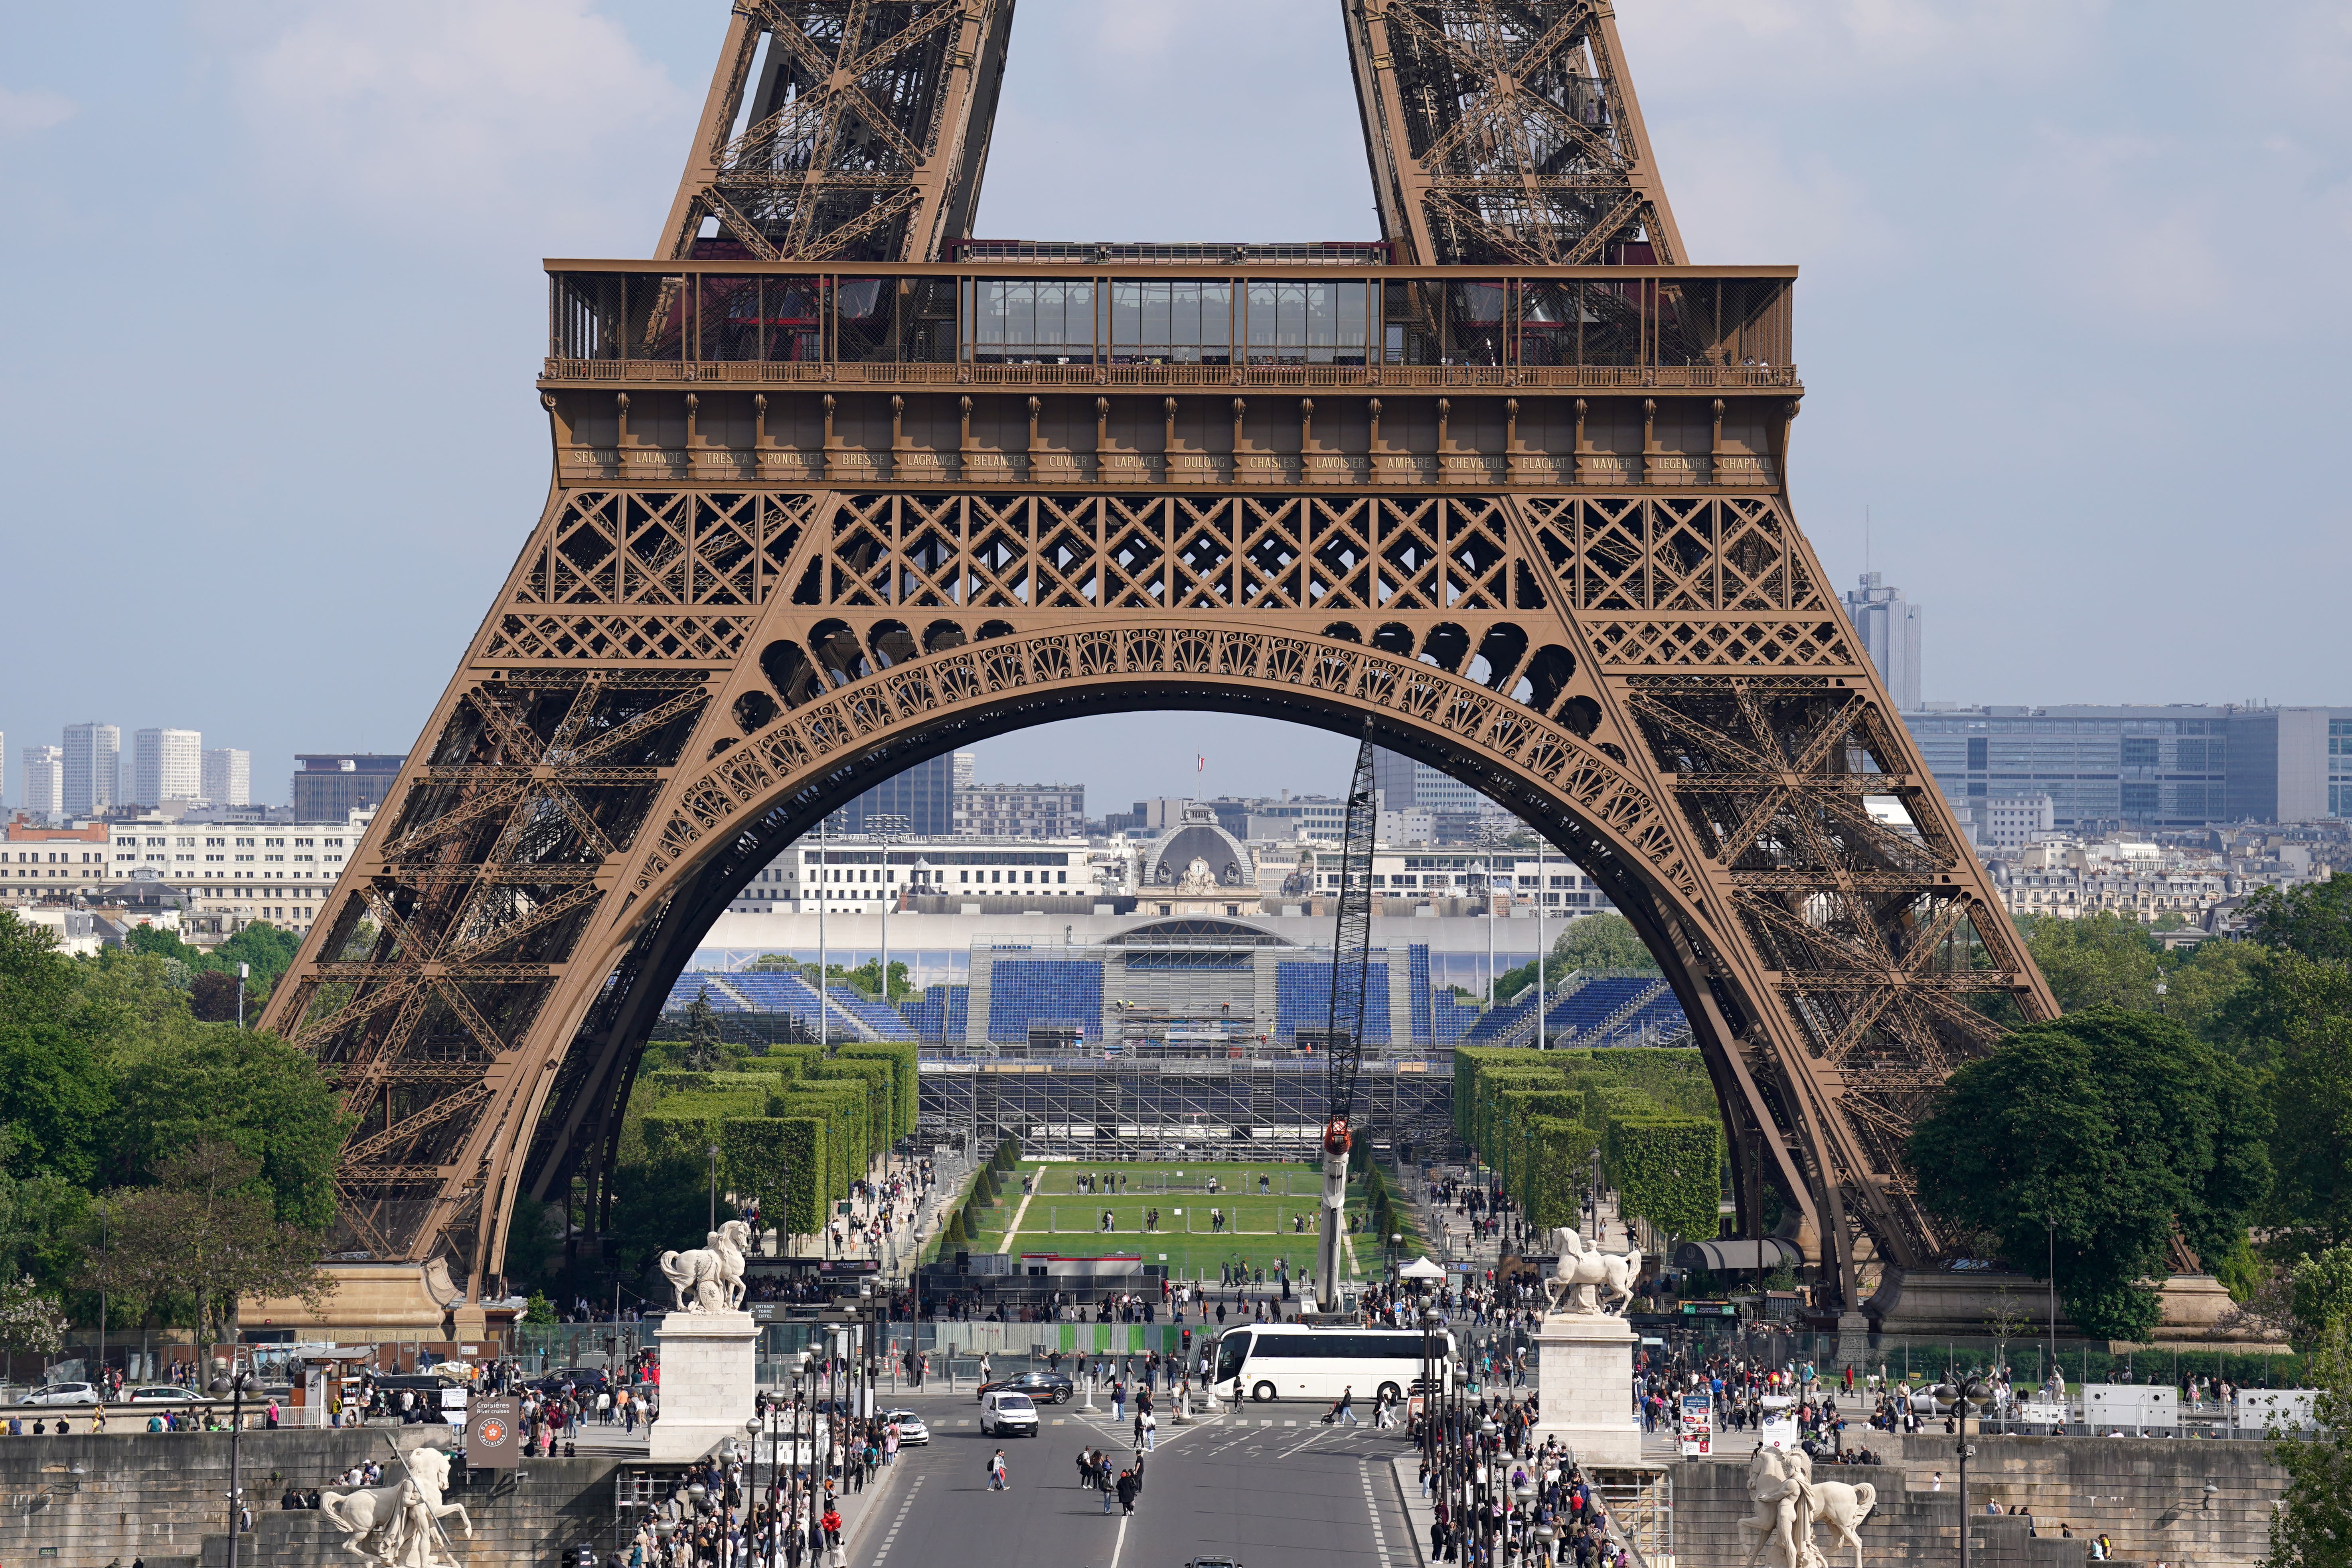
x=1603 y=327
x=1406 y=377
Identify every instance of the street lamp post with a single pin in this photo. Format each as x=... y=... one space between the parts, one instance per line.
x=1966 y=1392
x=714 y=1187
x=2050 y=1225
x=235 y=1382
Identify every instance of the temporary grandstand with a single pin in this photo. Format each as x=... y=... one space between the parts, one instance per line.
x=1180 y=1034
x=1588 y=1010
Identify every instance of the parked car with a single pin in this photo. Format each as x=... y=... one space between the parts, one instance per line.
x=1006 y=1414
x=911 y=1430
x=1051 y=1387
x=63 y=1393
x=158 y=1393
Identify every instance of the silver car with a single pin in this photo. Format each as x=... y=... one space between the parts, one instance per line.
x=63 y=1393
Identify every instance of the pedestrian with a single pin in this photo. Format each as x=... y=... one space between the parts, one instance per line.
x=996 y=1482
x=1127 y=1487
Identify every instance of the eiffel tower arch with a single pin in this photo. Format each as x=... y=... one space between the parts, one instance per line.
x=837 y=489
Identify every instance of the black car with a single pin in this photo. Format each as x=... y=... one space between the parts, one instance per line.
x=1047 y=1387
x=587 y=1379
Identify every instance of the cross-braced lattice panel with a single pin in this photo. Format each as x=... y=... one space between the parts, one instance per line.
x=854 y=101
x=1513 y=117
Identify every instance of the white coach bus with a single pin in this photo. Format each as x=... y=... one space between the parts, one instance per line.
x=1292 y=1361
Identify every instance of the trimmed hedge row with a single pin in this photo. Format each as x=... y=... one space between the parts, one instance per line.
x=1537 y=1117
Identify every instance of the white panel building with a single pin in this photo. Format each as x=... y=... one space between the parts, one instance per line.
x=166 y=764
x=227 y=776
x=93 y=755
x=44 y=781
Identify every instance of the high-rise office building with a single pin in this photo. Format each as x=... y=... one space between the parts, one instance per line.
x=228 y=776
x=2182 y=765
x=965 y=764
x=331 y=785
x=44 y=780
x=1889 y=629
x=93 y=757
x=924 y=795
x=166 y=764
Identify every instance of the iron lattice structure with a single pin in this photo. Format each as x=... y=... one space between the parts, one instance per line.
x=1504 y=131
x=814 y=522
x=1352 y=941
x=852 y=130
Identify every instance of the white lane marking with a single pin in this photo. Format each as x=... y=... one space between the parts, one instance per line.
x=1372 y=1509
x=1121 y=1544
x=888 y=1540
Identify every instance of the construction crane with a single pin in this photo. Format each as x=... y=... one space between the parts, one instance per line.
x=1351 y=957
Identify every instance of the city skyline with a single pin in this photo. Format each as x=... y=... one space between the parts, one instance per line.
x=413 y=172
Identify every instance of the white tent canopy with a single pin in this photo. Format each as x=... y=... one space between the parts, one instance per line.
x=1421 y=1269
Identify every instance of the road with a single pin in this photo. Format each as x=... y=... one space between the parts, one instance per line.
x=1259 y=1488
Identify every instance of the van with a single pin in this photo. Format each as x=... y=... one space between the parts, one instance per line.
x=1003 y=1412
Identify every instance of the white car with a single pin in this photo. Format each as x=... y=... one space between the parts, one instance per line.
x=911 y=1430
x=1003 y=1413
x=63 y=1393
x=159 y=1392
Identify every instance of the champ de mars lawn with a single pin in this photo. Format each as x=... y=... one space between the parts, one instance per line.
x=1258 y=1228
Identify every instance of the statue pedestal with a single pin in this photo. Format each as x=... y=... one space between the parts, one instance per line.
x=1585 y=1361
x=709 y=1368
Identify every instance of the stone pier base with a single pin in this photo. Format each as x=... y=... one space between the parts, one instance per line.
x=1586 y=1360
x=708 y=1379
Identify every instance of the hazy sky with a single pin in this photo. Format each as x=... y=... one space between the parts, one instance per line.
x=2072 y=321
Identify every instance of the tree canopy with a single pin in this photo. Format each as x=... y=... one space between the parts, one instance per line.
x=109 y=1080
x=1602 y=941
x=2119 y=1127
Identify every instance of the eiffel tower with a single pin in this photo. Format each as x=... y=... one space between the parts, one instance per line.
x=838 y=488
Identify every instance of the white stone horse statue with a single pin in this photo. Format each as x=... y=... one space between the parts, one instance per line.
x=1843 y=1508
x=1780 y=1488
x=1584 y=1275
x=1789 y=1502
x=394 y=1524
x=710 y=1278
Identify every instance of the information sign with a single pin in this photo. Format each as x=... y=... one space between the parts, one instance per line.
x=1697 y=1425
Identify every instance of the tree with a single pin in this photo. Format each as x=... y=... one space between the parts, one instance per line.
x=212 y=997
x=2312 y=1526
x=2314 y=920
x=659 y=1205
x=705 y=1040
x=207 y=1234
x=2099 y=960
x=2321 y=1291
x=2123 y=1127
x=32 y=1322
x=1603 y=941
x=2309 y=1004
x=249 y=1090
x=52 y=1087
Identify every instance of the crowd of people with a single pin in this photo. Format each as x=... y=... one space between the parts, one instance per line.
x=1500 y=1495
x=742 y=1511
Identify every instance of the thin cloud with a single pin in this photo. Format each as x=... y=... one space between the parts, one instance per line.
x=36 y=110
x=438 y=115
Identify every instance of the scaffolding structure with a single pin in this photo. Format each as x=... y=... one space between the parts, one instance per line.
x=1195 y=1105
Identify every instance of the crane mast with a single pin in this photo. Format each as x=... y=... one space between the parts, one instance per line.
x=1351 y=957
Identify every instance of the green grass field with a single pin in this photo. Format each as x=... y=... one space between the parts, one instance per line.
x=1257 y=1231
